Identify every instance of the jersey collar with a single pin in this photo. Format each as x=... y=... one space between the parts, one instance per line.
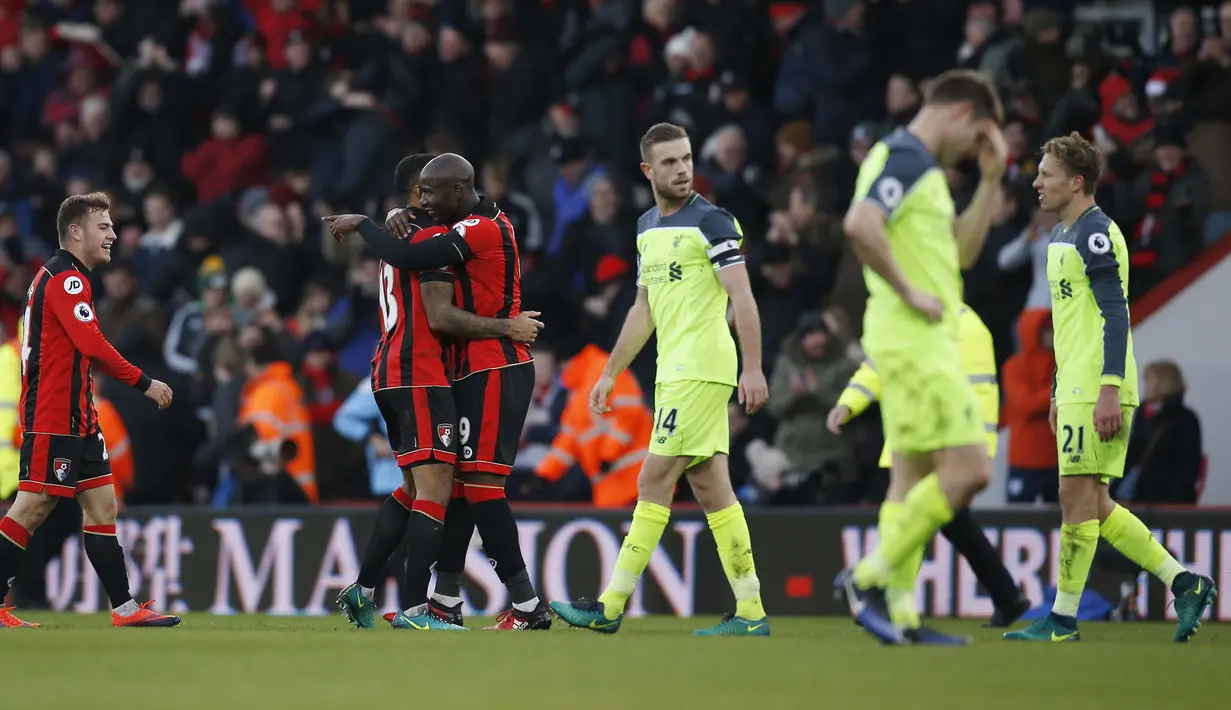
x=66 y=254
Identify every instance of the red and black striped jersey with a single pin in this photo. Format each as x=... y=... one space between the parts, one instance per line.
x=482 y=250
x=488 y=285
x=409 y=353
x=60 y=341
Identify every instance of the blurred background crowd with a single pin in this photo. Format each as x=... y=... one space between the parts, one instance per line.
x=223 y=129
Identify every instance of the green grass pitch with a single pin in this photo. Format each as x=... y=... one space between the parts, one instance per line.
x=260 y=662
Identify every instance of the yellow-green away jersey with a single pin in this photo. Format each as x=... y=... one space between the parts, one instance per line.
x=978 y=362
x=678 y=259
x=1087 y=270
x=902 y=178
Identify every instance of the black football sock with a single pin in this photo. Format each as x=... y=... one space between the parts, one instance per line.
x=13 y=541
x=423 y=534
x=391 y=521
x=964 y=533
x=494 y=519
x=459 y=529
x=107 y=559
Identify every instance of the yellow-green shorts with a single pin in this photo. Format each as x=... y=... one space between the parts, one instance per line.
x=927 y=402
x=690 y=419
x=1078 y=448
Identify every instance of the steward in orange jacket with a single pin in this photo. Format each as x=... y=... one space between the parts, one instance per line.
x=608 y=447
x=115 y=438
x=1026 y=381
x=273 y=403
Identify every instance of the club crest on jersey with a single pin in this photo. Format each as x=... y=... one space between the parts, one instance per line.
x=61 y=467
x=73 y=285
x=83 y=312
x=444 y=432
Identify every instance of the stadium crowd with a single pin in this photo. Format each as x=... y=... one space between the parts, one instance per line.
x=223 y=130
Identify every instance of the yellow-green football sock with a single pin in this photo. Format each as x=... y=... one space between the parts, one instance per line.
x=1125 y=532
x=730 y=529
x=1077 y=544
x=649 y=522
x=900 y=594
x=925 y=511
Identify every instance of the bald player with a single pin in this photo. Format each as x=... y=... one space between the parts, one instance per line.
x=493 y=378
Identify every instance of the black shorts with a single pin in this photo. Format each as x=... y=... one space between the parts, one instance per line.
x=63 y=465
x=491 y=409
x=422 y=424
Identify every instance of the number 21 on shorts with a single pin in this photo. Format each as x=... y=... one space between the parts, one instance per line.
x=665 y=421
x=1067 y=431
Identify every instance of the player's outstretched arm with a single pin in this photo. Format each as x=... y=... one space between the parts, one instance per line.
x=70 y=301
x=444 y=317
x=753 y=390
x=438 y=252
x=973 y=224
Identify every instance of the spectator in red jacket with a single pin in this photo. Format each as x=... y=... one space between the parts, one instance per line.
x=1026 y=382
x=277 y=19
x=227 y=161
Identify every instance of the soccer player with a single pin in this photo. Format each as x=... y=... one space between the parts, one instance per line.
x=493 y=379
x=412 y=387
x=688 y=266
x=904 y=229
x=1094 y=395
x=62 y=449
x=979 y=364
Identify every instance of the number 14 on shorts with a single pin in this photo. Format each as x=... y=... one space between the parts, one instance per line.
x=664 y=422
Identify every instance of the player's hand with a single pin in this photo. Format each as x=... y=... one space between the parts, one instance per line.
x=1051 y=417
x=926 y=305
x=341 y=225
x=1107 y=416
x=523 y=328
x=993 y=154
x=837 y=417
x=160 y=393
x=753 y=391
x=600 y=393
x=397 y=222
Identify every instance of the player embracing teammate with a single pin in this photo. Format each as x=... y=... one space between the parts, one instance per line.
x=492 y=383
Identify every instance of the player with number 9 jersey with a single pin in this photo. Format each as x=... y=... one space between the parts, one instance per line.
x=410 y=377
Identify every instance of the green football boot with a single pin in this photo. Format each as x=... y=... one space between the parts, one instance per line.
x=1053 y=628
x=358 y=609
x=1193 y=595
x=732 y=625
x=425 y=620
x=587 y=614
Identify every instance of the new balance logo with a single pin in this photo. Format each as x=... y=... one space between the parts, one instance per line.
x=676 y=272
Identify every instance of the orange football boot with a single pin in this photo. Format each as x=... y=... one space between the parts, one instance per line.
x=8 y=621
x=144 y=616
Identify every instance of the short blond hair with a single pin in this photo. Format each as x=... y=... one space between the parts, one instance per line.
x=1079 y=157
x=78 y=208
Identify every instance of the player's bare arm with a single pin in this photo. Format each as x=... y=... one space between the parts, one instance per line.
x=973 y=224
x=865 y=228
x=444 y=317
x=753 y=390
x=637 y=329
x=438 y=252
